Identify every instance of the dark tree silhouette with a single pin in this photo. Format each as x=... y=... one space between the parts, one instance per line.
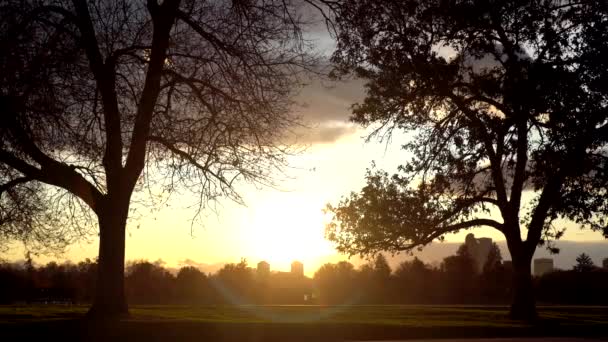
x=504 y=97
x=336 y=283
x=584 y=263
x=375 y=279
x=412 y=283
x=493 y=260
x=234 y=282
x=148 y=283
x=192 y=286
x=459 y=275
x=99 y=98
x=416 y=282
x=494 y=276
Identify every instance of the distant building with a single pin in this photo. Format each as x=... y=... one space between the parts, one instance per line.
x=479 y=250
x=297 y=268
x=263 y=269
x=542 y=266
x=605 y=263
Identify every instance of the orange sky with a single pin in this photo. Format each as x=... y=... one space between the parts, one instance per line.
x=277 y=225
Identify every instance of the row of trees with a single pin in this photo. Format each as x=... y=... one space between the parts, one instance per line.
x=454 y=281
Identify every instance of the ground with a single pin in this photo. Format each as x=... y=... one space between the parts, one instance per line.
x=279 y=323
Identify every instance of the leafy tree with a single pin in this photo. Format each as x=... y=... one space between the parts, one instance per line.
x=235 y=282
x=375 y=280
x=494 y=276
x=148 y=283
x=99 y=98
x=584 y=263
x=459 y=276
x=382 y=269
x=191 y=285
x=335 y=283
x=503 y=97
x=494 y=259
x=416 y=282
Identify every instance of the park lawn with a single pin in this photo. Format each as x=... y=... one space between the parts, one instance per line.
x=411 y=316
x=296 y=323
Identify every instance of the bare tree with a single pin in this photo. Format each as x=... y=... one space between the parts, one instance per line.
x=100 y=97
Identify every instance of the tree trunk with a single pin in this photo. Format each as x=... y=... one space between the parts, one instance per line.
x=523 y=306
x=110 y=301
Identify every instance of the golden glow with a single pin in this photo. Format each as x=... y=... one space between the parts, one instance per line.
x=287 y=227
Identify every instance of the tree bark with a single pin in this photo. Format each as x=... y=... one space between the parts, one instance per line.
x=110 y=301
x=523 y=305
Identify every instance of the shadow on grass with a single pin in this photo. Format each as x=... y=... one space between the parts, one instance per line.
x=74 y=329
x=183 y=323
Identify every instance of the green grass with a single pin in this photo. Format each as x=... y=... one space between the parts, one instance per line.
x=415 y=316
x=308 y=322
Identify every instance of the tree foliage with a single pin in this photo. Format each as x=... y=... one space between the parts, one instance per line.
x=504 y=97
x=195 y=95
x=501 y=97
x=101 y=99
x=584 y=263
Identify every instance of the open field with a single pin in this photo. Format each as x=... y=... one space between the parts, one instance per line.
x=258 y=323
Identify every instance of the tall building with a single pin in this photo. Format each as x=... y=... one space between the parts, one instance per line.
x=479 y=250
x=297 y=268
x=542 y=266
x=263 y=269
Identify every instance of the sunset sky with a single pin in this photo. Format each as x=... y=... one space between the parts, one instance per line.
x=283 y=224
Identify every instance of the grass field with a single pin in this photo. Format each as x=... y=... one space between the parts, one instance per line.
x=257 y=323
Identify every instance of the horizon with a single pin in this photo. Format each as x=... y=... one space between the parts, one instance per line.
x=432 y=255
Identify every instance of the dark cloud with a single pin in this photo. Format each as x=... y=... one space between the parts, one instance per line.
x=324 y=108
x=329 y=101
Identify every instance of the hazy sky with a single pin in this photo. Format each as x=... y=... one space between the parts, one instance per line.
x=277 y=225
x=284 y=224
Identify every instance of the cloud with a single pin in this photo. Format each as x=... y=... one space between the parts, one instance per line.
x=325 y=133
x=329 y=101
x=324 y=108
x=203 y=267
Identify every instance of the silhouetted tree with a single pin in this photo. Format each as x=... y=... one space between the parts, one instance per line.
x=494 y=259
x=382 y=270
x=574 y=287
x=459 y=276
x=192 y=286
x=493 y=278
x=375 y=280
x=93 y=94
x=235 y=283
x=148 y=283
x=584 y=263
x=336 y=283
x=504 y=96
x=416 y=282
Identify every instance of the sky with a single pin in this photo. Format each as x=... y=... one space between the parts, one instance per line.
x=286 y=223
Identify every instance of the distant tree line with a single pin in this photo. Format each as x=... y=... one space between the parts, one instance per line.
x=454 y=281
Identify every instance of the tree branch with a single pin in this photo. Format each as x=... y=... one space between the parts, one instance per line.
x=9 y=185
x=163 y=17
x=105 y=76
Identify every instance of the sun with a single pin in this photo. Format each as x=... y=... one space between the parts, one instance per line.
x=288 y=228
